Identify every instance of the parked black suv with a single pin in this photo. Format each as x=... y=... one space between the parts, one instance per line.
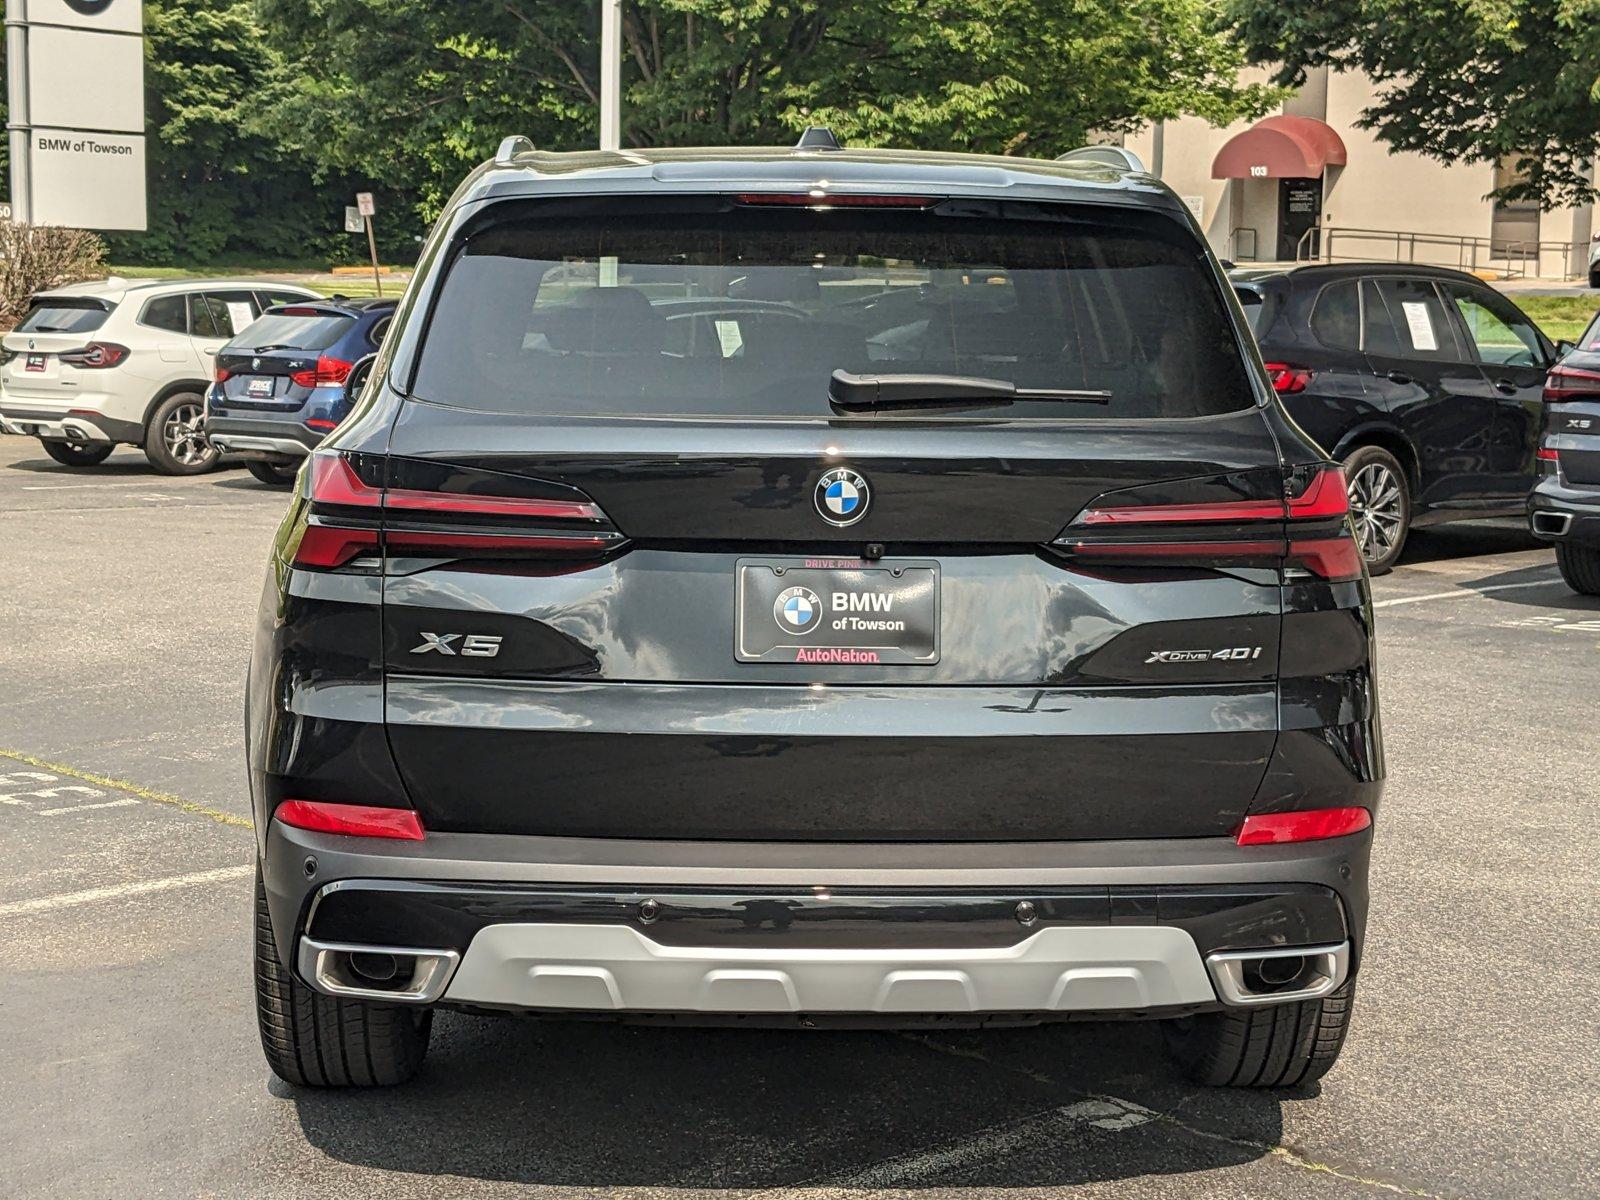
x=819 y=587
x=1565 y=505
x=1423 y=381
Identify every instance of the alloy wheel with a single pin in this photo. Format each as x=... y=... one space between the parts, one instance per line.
x=1377 y=509
x=183 y=438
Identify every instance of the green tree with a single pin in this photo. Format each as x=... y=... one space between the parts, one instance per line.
x=1461 y=80
x=218 y=183
x=415 y=91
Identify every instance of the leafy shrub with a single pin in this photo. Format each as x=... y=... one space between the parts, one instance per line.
x=35 y=258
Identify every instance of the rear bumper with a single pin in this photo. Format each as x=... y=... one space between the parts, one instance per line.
x=1558 y=512
x=278 y=441
x=1025 y=930
x=58 y=425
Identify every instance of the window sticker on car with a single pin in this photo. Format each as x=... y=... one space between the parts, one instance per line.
x=730 y=338
x=1420 y=325
x=240 y=314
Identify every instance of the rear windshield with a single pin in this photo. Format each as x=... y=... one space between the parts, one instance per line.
x=748 y=311
x=64 y=316
x=1589 y=340
x=307 y=329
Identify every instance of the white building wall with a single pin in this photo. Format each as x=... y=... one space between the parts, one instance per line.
x=1377 y=189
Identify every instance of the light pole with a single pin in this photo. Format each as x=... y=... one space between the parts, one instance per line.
x=17 y=117
x=610 y=74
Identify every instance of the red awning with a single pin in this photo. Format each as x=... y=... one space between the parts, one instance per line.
x=1280 y=148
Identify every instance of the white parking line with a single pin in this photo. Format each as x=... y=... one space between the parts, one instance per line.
x=142 y=887
x=1463 y=592
x=77 y=808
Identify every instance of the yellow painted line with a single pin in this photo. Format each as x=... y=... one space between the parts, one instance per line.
x=133 y=789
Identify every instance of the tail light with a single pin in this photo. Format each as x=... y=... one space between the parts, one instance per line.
x=353 y=820
x=1307 y=529
x=221 y=374
x=327 y=371
x=1273 y=829
x=1547 y=454
x=349 y=512
x=1288 y=379
x=1565 y=383
x=96 y=356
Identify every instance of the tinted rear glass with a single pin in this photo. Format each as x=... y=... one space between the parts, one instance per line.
x=293 y=332
x=749 y=311
x=64 y=316
x=1589 y=340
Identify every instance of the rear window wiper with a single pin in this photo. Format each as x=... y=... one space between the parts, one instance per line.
x=273 y=346
x=878 y=393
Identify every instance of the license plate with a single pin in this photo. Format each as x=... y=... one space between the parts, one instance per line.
x=837 y=610
x=34 y=362
x=258 y=388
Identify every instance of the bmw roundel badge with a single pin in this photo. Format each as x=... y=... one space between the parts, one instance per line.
x=797 y=610
x=842 y=497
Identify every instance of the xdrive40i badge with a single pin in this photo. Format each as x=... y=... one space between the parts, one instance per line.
x=1230 y=654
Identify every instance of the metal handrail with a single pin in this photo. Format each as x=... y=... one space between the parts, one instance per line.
x=1462 y=251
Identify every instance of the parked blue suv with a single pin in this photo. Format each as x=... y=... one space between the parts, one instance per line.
x=285 y=383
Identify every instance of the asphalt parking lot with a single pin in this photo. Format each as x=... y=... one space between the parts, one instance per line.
x=129 y=1063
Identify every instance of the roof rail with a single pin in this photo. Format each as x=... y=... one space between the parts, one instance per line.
x=1107 y=156
x=818 y=137
x=511 y=147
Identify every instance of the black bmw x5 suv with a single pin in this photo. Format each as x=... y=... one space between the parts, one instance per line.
x=823 y=588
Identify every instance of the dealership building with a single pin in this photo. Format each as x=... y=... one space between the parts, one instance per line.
x=1306 y=183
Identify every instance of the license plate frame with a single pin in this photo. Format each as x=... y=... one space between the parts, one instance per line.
x=34 y=362
x=900 y=627
x=259 y=387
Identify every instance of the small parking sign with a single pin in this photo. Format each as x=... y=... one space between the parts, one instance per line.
x=354 y=222
x=364 y=204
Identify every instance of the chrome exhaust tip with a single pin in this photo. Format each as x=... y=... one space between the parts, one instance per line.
x=1552 y=524
x=394 y=974
x=1248 y=977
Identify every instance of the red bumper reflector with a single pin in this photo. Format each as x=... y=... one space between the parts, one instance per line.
x=354 y=820
x=321 y=423
x=1271 y=829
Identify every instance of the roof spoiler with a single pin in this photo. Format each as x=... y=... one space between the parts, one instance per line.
x=1106 y=156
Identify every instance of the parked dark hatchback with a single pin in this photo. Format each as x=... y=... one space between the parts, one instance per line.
x=1423 y=381
x=1565 y=506
x=284 y=383
x=817 y=587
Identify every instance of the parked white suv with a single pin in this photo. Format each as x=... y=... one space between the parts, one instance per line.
x=96 y=365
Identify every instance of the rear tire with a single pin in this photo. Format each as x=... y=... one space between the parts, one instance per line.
x=74 y=454
x=1276 y=1046
x=1580 y=567
x=312 y=1040
x=173 y=442
x=1380 y=506
x=272 y=474
x=1594 y=278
